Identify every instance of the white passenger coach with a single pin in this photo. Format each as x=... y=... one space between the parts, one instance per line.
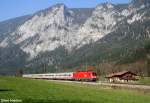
x=68 y=75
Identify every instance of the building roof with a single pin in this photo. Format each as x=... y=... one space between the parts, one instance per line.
x=119 y=74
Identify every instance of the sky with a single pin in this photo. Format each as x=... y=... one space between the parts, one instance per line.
x=15 y=8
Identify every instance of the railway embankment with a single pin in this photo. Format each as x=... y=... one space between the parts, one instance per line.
x=112 y=85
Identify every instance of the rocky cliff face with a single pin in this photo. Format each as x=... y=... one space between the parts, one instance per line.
x=60 y=26
x=44 y=34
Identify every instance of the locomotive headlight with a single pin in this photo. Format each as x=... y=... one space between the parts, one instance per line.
x=85 y=75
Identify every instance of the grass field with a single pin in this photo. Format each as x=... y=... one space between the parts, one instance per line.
x=39 y=91
x=144 y=80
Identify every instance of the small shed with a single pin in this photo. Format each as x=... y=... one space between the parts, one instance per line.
x=123 y=76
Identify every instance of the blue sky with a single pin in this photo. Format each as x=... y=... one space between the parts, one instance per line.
x=14 y=8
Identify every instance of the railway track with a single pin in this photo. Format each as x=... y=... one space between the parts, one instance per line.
x=113 y=85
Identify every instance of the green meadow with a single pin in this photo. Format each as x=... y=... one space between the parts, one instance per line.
x=40 y=91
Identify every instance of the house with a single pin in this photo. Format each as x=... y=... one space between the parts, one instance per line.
x=123 y=76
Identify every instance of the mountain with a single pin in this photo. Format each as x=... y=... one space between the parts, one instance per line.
x=123 y=46
x=60 y=37
x=9 y=26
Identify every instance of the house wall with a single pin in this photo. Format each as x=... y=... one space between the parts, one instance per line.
x=116 y=79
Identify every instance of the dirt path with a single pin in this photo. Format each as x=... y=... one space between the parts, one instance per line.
x=113 y=85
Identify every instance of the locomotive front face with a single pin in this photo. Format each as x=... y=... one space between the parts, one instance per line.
x=94 y=76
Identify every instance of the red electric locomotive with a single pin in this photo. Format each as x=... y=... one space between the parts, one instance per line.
x=85 y=76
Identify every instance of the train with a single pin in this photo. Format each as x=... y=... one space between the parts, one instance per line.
x=76 y=76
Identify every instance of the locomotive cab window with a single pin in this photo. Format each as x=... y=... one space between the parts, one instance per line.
x=94 y=74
